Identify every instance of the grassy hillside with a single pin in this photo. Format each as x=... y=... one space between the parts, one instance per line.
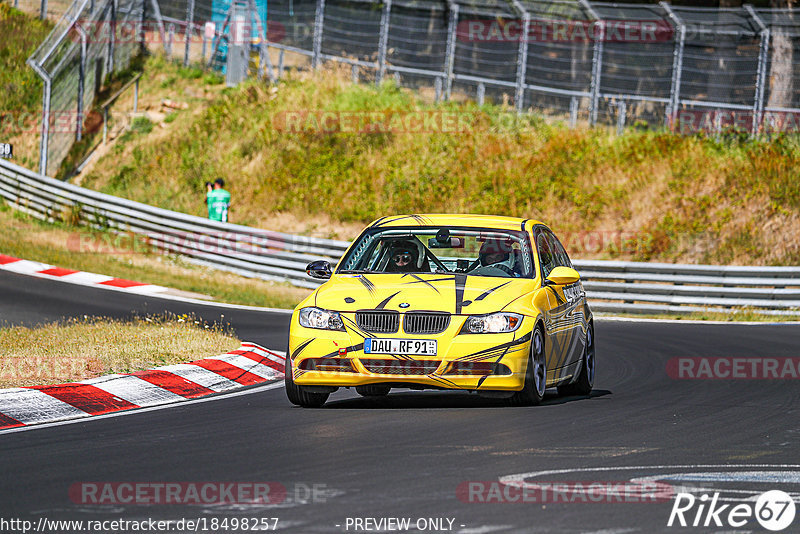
x=20 y=115
x=646 y=195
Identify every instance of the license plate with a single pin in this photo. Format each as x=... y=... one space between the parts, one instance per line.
x=425 y=347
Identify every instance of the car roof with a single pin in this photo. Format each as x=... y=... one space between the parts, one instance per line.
x=455 y=219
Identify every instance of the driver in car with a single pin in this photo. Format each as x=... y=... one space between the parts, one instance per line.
x=495 y=258
x=403 y=258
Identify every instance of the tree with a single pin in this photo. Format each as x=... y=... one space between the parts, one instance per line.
x=780 y=76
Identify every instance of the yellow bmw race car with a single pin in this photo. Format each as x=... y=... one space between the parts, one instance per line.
x=465 y=302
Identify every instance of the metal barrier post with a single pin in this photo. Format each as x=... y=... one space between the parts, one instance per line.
x=599 y=33
x=46 y=89
x=43 y=12
x=677 y=66
x=319 y=21
x=143 y=29
x=481 y=93
x=170 y=39
x=81 y=83
x=437 y=89
x=761 y=73
x=449 y=57
x=573 y=112
x=522 y=56
x=112 y=37
x=383 y=40
x=188 y=31
x=622 y=114
x=159 y=19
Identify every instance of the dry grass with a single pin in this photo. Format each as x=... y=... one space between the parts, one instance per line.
x=81 y=349
x=98 y=252
x=20 y=116
x=685 y=199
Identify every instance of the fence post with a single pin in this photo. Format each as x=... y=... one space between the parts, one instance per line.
x=170 y=40
x=319 y=21
x=761 y=73
x=143 y=29
x=449 y=57
x=481 y=93
x=81 y=83
x=188 y=31
x=677 y=66
x=112 y=37
x=383 y=40
x=43 y=12
x=573 y=112
x=159 y=19
x=522 y=56
x=599 y=34
x=622 y=115
x=45 y=115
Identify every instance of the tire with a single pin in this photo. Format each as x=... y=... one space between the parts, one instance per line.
x=373 y=390
x=297 y=394
x=585 y=382
x=532 y=392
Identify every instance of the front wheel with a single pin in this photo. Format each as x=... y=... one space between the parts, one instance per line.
x=297 y=394
x=585 y=382
x=535 y=375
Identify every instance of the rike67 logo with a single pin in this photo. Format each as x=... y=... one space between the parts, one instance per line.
x=774 y=510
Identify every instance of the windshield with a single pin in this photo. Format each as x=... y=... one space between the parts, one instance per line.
x=473 y=251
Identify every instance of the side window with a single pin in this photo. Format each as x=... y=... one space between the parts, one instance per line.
x=546 y=256
x=562 y=259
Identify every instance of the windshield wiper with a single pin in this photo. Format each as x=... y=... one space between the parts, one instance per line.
x=354 y=271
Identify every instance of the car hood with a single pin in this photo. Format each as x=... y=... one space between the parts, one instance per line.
x=452 y=293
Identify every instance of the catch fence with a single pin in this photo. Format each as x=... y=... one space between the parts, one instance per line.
x=622 y=65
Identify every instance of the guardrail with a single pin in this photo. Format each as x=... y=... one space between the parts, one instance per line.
x=613 y=286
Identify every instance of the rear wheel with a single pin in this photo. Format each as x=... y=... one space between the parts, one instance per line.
x=535 y=375
x=585 y=382
x=373 y=390
x=298 y=394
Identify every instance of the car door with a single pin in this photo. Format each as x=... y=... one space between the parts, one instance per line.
x=575 y=298
x=560 y=319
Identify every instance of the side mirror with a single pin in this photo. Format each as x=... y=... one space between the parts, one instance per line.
x=561 y=276
x=319 y=269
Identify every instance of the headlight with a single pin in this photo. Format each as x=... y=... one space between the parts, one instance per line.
x=494 y=323
x=322 y=319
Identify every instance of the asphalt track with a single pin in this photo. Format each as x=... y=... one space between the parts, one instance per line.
x=406 y=455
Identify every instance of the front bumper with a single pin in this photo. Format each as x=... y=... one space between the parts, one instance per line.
x=511 y=350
